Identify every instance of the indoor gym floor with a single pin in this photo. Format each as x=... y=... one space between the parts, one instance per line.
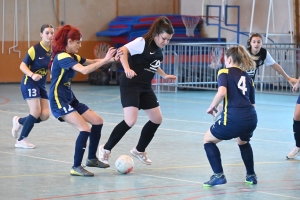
x=179 y=161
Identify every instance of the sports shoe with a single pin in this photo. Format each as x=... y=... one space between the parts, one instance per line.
x=216 y=180
x=17 y=127
x=24 y=144
x=103 y=155
x=251 y=179
x=294 y=153
x=219 y=111
x=95 y=162
x=142 y=156
x=80 y=171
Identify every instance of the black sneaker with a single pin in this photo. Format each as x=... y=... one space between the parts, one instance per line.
x=251 y=179
x=216 y=179
x=80 y=171
x=96 y=163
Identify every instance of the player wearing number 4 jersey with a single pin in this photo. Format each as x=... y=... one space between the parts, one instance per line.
x=238 y=118
x=33 y=87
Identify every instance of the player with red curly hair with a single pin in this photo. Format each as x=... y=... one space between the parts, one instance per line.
x=65 y=106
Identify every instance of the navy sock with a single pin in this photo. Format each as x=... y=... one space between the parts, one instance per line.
x=38 y=120
x=116 y=135
x=80 y=147
x=27 y=126
x=247 y=156
x=296 y=129
x=23 y=119
x=214 y=157
x=147 y=134
x=94 y=140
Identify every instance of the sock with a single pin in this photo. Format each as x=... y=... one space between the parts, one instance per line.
x=247 y=156
x=28 y=125
x=147 y=134
x=214 y=157
x=94 y=140
x=116 y=135
x=80 y=147
x=296 y=128
x=38 y=120
x=23 y=119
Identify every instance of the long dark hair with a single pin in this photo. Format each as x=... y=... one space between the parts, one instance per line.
x=61 y=40
x=252 y=36
x=44 y=26
x=160 y=25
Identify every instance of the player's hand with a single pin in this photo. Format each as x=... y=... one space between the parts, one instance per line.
x=292 y=81
x=130 y=73
x=109 y=55
x=36 y=77
x=170 y=77
x=118 y=54
x=295 y=87
x=211 y=111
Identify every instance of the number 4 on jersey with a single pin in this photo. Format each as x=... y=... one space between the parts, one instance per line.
x=242 y=84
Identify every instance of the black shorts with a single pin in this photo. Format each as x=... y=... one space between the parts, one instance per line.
x=243 y=130
x=139 y=97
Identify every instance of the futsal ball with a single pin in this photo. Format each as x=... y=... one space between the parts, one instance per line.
x=124 y=164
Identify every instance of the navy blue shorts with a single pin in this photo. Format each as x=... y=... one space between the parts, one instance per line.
x=298 y=100
x=31 y=90
x=233 y=129
x=139 y=97
x=65 y=108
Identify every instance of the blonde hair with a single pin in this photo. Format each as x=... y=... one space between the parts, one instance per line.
x=242 y=57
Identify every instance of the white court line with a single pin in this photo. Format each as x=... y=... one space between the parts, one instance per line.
x=149 y=175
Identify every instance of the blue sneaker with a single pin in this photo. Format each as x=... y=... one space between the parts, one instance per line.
x=216 y=179
x=251 y=179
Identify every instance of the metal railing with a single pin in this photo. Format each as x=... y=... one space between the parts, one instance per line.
x=192 y=64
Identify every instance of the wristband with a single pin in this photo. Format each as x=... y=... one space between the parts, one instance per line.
x=31 y=75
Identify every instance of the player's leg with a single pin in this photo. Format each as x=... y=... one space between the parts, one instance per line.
x=78 y=122
x=247 y=156
x=35 y=111
x=130 y=117
x=147 y=134
x=97 y=122
x=296 y=128
x=214 y=157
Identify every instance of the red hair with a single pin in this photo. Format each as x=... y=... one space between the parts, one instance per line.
x=60 y=40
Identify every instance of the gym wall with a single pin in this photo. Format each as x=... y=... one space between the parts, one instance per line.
x=90 y=16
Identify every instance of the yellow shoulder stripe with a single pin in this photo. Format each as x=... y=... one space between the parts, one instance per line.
x=63 y=55
x=225 y=71
x=31 y=53
x=78 y=57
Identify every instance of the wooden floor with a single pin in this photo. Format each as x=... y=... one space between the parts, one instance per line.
x=179 y=161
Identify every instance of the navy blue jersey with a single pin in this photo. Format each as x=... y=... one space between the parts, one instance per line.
x=37 y=60
x=240 y=94
x=61 y=77
x=144 y=63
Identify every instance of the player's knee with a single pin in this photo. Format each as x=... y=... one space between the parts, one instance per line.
x=130 y=122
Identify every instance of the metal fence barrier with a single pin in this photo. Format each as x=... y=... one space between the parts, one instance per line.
x=196 y=66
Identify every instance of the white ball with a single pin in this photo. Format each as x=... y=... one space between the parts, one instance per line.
x=124 y=164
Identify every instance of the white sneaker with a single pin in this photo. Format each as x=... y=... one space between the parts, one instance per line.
x=24 y=144
x=294 y=153
x=17 y=127
x=142 y=156
x=103 y=154
x=219 y=111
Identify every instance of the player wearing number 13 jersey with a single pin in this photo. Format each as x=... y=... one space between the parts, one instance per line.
x=33 y=87
x=238 y=119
